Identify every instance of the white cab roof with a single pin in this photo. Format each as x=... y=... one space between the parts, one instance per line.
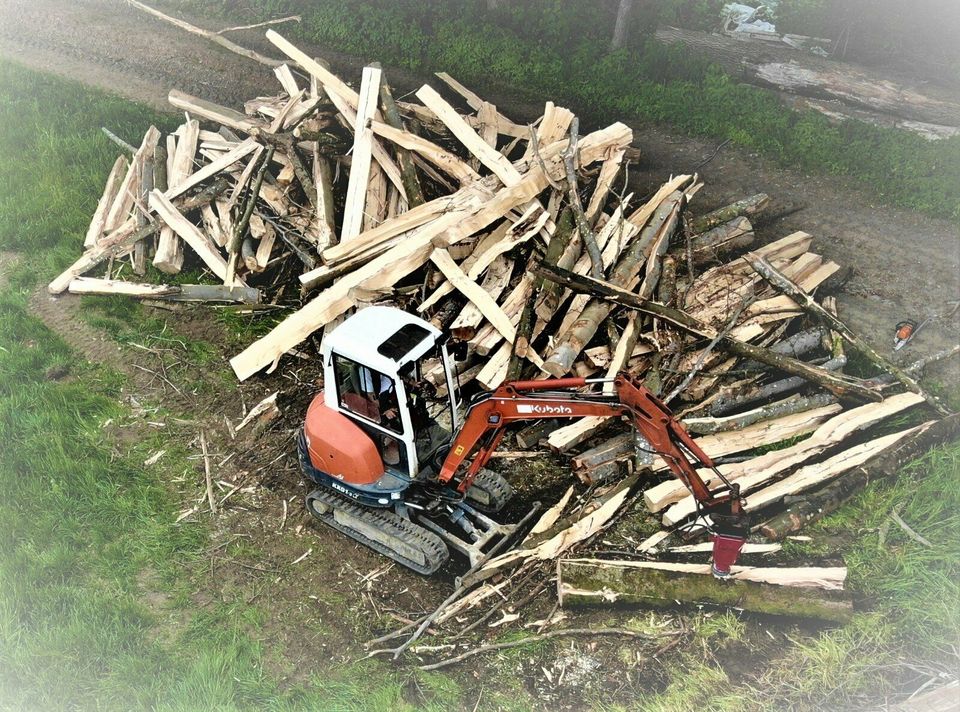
x=361 y=336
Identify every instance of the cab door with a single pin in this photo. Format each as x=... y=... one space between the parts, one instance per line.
x=375 y=401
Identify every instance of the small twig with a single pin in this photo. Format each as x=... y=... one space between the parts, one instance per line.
x=538 y=638
x=535 y=145
x=206 y=471
x=117 y=140
x=910 y=532
x=711 y=157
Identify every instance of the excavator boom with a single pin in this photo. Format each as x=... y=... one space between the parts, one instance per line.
x=488 y=415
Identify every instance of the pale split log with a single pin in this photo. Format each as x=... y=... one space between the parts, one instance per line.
x=519 y=232
x=327 y=78
x=813 y=475
x=762 y=469
x=474 y=292
x=213 y=112
x=495 y=280
x=608 y=174
x=169 y=255
x=211 y=169
x=447 y=162
x=362 y=155
x=562 y=439
x=325 y=221
x=170 y=292
x=127 y=192
x=888 y=463
x=488 y=156
x=504 y=125
x=199 y=243
x=212 y=225
x=553 y=127
x=110 y=190
x=487 y=116
x=286 y=79
x=406 y=257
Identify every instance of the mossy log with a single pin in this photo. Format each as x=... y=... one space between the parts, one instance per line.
x=593 y=584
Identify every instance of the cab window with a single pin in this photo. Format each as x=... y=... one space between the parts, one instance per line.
x=368 y=393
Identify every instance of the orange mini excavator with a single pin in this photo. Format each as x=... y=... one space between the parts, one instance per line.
x=399 y=462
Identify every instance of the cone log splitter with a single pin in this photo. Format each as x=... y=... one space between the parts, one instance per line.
x=401 y=469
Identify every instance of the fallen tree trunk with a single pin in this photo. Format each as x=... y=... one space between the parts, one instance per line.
x=593 y=583
x=741 y=208
x=819 y=78
x=816 y=505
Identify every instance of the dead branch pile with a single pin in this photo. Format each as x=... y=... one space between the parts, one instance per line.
x=525 y=244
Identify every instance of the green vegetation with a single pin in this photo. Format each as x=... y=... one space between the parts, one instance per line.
x=96 y=599
x=558 y=50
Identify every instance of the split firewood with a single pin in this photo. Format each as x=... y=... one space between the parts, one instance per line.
x=887 y=463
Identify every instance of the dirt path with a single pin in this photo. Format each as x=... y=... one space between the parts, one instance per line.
x=906 y=265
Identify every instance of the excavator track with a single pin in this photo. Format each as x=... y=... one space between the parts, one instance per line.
x=490 y=491
x=382 y=530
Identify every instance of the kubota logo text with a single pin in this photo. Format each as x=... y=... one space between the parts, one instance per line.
x=544 y=409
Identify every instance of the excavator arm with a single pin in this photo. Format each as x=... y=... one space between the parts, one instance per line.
x=488 y=416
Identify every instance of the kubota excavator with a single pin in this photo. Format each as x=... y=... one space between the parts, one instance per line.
x=400 y=467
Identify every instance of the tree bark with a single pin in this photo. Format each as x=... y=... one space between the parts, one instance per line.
x=819 y=78
x=593 y=584
x=620 y=26
x=408 y=171
x=746 y=207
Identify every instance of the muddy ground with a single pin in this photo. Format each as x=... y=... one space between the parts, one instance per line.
x=906 y=266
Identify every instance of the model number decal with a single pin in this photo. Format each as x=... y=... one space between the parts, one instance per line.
x=544 y=409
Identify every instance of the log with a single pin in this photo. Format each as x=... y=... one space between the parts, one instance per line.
x=602 y=583
x=725 y=403
x=760 y=470
x=888 y=463
x=624 y=275
x=840 y=386
x=170 y=292
x=813 y=475
x=125 y=237
x=169 y=255
x=199 y=243
x=531 y=436
x=808 y=75
x=362 y=155
x=785 y=285
x=726 y=237
x=787 y=406
x=496 y=279
x=110 y=191
x=408 y=170
x=746 y=207
x=213 y=112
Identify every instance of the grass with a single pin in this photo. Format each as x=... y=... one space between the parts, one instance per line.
x=96 y=599
x=96 y=605
x=548 y=49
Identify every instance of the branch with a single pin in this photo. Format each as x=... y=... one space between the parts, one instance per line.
x=573 y=195
x=624 y=632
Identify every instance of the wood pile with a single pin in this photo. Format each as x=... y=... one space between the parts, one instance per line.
x=526 y=244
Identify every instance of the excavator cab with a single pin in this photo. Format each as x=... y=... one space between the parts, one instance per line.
x=374 y=374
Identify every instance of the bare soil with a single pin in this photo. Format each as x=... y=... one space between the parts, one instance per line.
x=906 y=266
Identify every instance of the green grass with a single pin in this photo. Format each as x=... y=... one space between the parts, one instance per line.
x=549 y=49
x=87 y=535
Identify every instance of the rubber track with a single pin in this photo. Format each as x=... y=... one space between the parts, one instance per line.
x=496 y=486
x=434 y=550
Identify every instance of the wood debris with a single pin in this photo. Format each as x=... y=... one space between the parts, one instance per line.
x=326 y=198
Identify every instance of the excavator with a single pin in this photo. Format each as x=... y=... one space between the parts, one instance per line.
x=399 y=462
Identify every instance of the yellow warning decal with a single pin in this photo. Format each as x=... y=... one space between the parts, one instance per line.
x=459 y=451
